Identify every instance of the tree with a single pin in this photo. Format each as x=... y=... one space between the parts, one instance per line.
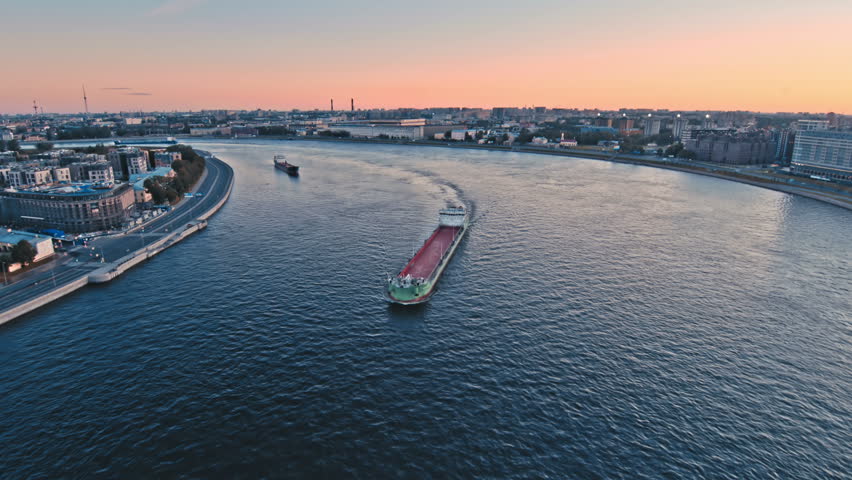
x=525 y=136
x=42 y=147
x=674 y=149
x=688 y=154
x=23 y=252
x=13 y=145
x=100 y=149
x=2 y=145
x=479 y=134
x=158 y=193
x=448 y=134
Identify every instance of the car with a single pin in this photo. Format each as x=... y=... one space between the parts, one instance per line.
x=199 y=194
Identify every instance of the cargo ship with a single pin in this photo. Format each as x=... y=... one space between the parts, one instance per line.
x=282 y=164
x=416 y=282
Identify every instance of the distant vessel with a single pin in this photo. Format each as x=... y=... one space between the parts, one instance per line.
x=147 y=141
x=416 y=282
x=288 y=168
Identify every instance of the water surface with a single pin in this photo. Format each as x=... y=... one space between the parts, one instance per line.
x=599 y=321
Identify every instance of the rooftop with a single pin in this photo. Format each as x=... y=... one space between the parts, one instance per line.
x=15 y=236
x=69 y=189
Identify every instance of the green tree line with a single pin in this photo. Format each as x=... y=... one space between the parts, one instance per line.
x=187 y=171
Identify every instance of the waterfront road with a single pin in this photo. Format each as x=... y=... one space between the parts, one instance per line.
x=82 y=261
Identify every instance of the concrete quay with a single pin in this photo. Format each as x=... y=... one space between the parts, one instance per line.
x=172 y=228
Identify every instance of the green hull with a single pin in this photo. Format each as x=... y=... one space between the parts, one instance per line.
x=412 y=294
x=413 y=289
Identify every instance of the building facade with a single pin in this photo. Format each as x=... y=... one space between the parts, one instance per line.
x=76 y=210
x=652 y=127
x=407 y=128
x=42 y=244
x=825 y=153
x=732 y=149
x=165 y=159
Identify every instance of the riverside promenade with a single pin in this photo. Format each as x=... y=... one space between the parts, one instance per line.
x=108 y=257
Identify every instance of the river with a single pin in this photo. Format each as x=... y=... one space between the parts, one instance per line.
x=599 y=321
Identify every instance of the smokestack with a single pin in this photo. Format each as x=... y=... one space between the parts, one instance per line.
x=332 y=105
x=352 y=100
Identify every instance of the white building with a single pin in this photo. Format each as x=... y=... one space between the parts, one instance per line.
x=61 y=174
x=413 y=128
x=100 y=172
x=43 y=244
x=136 y=164
x=823 y=153
x=38 y=176
x=461 y=134
x=678 y=126
x=6 y=134
x=652 y=127
x=811 y=125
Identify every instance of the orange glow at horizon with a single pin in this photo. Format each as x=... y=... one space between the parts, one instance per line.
x=789 y=63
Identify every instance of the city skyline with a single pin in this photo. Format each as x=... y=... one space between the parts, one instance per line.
x=197 y=54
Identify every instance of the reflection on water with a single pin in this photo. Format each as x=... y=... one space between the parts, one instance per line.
x=598 y=321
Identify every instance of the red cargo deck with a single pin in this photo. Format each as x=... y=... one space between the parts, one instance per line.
x=429 y=255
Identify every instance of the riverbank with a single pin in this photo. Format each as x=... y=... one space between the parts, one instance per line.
x=836 y=198
x=79 y=275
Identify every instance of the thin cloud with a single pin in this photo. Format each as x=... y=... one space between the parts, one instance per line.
x=141 y=94
x=173 y=7
x=116 y=88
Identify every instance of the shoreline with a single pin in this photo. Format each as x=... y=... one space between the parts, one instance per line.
x=112 y=270
x=837 y=199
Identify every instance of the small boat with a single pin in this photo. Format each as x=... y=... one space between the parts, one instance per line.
x=288 y=168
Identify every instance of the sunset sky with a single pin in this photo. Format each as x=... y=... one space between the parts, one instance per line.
x=193 y=54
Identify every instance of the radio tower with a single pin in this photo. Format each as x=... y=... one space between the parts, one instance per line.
x=35 y=109
x=85 y=100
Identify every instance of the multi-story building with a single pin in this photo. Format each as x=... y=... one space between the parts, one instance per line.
x=678 y=126
x=100 y=172
x=122 y=159
x=732 y=149
x=136 y=164
x=95 y=172
x=37 y=176
x=165 y=159
x=81 y=158
x=78 y=208
x=61 y=174
x=825 y=153
x=603 y=122
x=784 y=144
x=624 y=125
x=809 y=125
x=414 y=128
x=652 y=127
